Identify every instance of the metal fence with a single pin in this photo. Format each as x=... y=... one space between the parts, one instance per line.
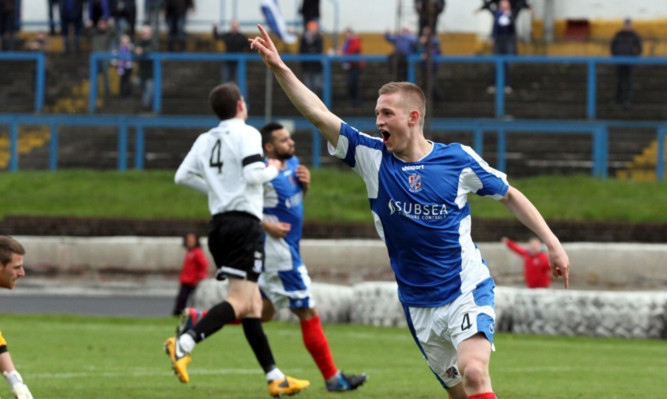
x=500 y=62
x=598 y=130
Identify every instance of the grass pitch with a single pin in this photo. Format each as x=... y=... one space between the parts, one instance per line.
x=87 y=357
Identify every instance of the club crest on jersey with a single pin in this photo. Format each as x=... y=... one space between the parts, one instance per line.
x=415 y=183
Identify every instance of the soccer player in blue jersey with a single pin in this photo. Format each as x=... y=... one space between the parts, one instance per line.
x=418 y=196
x=285 y=281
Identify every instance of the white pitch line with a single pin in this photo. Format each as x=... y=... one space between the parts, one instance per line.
x=137 y=374
x=533 y=369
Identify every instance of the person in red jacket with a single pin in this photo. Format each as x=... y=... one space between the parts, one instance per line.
x=536 y=268
x=352 y=46
x=195 y=269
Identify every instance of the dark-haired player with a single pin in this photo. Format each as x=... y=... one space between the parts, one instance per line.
x=227 y=164
x=11 y=269
x=285 y=281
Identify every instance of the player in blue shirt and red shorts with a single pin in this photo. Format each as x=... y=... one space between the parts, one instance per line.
x=418 y=195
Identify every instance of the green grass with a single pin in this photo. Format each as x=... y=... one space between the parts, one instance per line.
x=88 y=357
x=334 y=196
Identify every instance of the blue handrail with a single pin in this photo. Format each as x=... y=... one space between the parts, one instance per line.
x=597 y=129
x=501 y=60
x=498 y=60
x=40 y=72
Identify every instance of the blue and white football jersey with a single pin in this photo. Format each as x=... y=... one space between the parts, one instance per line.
x=421 y=211
x=283 y=201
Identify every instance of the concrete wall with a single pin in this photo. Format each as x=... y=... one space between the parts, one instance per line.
x=518 y=310
x=594 y=265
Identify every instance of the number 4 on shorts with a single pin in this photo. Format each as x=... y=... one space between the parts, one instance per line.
x=466 y=322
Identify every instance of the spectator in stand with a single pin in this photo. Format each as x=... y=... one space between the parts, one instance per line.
x=125 y=14
x=71 y=13
x=429 y=11
x=124 y=65
x=7 y=23
x=39 y=43
x=235 y=42
x=102 y=40
x=536 y=270
x=432 y=49
x=98 y=10
x=626 y=43
x=310 y=11
x=175 y=12
x=515 y=5
x=404 y=45
x=144 y=48
x=51 y=4
x=152 y=9
x=352 y=46
x=195 y=269
x=504 y=38
x=312 y=43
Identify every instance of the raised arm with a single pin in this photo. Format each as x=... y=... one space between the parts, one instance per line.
x=307 y=102
x=514 y=246
x=526 y=213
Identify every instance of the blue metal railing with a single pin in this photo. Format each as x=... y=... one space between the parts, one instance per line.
x=327 y=61
x=597 y=129
x=243 y=59
x=500 y=60
x=40 y=72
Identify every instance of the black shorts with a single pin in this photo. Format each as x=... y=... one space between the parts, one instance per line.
x=236 y=241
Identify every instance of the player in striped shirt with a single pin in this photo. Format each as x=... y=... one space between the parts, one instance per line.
x=418 y=196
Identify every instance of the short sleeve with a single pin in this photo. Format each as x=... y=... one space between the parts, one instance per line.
x=482 y=179
x=251 y=147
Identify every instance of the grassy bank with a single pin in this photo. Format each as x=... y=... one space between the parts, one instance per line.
x=334 y=196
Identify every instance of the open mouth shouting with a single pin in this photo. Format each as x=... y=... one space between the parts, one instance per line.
x=385 y=135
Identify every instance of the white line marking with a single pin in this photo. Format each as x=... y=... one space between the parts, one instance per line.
x=140 y=373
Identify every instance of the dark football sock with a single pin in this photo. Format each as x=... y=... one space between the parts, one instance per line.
x=254 y=333
x=215 y=319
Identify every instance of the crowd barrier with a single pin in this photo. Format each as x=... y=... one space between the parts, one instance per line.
x=599 y=131
x=549 y=311
x=500 y=63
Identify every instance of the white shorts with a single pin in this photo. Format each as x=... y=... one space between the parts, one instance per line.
x=287 y=288
x=438 y=331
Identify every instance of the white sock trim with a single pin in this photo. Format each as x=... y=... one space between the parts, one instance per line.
x=275 y=374
x=186 y=343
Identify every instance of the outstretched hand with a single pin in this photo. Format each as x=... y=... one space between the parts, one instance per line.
x=560 y=264
x=266 y=49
